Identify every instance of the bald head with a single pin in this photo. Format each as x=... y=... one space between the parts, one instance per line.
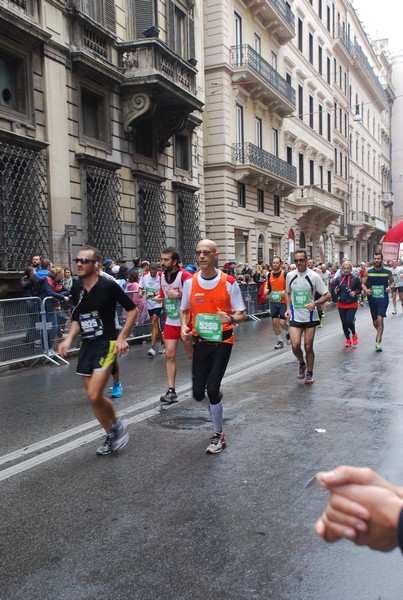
x=208 y=244
x=207 y=255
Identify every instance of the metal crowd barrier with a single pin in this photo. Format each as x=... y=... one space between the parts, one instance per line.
x=21 y=330
x=31 y=329
x=250 y=294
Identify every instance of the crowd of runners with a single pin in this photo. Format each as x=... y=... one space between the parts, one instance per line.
x=200 y=305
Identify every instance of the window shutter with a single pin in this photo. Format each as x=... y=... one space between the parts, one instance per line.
x=171 y=25
x=145 y=16
x=192 y=47
x=110 y=20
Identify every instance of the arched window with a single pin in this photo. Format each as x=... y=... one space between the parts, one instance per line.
x=302 y=243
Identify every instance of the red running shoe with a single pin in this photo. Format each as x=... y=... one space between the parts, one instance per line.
x=348 y=343
x=355 y=339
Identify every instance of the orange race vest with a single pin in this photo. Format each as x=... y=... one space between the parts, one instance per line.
x=277 y=285
x=207 y=302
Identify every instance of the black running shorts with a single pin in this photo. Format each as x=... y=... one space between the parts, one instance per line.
x=95 y=355
x=307 y=325
x=277 y=310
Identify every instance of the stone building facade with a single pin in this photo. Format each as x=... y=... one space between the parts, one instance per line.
x=100 y=114
x=140 y=123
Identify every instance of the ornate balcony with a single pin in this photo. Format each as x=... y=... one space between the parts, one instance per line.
x=362 y=222
x=91 y=48
x=343 y=43
x=19 y=20
x=276 y=16
x=314 y=203
x=261 y=80
x=375 y=85
x=379 y=225
x=23 y=6
x=361 y=219
x=156 y=80
x=259 y=168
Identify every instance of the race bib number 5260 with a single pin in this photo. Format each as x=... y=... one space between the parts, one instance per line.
x=209 y=327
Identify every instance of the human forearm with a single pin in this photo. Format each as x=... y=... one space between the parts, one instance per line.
x=65 y=344
x=185 y=318
x=238 y=316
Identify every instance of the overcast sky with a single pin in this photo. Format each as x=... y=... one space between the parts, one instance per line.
x=382 y=19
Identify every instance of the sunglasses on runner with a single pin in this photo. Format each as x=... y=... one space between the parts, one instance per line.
x=84 y=261
x=205 y=252
x=298 y=260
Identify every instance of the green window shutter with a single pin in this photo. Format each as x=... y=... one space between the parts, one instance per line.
x=145 y=14
x=110 y=19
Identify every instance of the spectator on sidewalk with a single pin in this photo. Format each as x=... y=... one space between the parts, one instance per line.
x=246 y=270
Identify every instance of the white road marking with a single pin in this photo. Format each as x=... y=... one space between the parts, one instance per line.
x=46 y=456
x=28 y=463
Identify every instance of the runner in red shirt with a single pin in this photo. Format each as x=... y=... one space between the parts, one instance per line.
x=172 y=279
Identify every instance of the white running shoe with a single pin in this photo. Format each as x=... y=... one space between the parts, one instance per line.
x=217 y=444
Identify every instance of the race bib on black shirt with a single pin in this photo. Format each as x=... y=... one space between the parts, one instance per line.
x=91 y=325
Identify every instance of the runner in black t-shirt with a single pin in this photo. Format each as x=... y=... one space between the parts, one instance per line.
x=95 y=299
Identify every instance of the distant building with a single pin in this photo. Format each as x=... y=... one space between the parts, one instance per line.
x=286 y=83
x=396 y=197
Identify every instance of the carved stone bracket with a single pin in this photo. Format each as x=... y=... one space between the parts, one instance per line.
x=170 y=122
x=135 y=107
x=300 y=145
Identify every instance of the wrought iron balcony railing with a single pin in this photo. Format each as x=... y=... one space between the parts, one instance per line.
x=347 y=43
x=285 y=12
x=359 y=53
x=246 y=56
x=248 y=153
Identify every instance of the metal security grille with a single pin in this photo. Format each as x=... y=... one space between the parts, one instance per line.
x=104 y=211
x=152 y=203
x=188 y=225
x=23 y=206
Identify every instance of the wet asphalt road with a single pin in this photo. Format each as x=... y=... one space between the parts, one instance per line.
x=162 y=520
